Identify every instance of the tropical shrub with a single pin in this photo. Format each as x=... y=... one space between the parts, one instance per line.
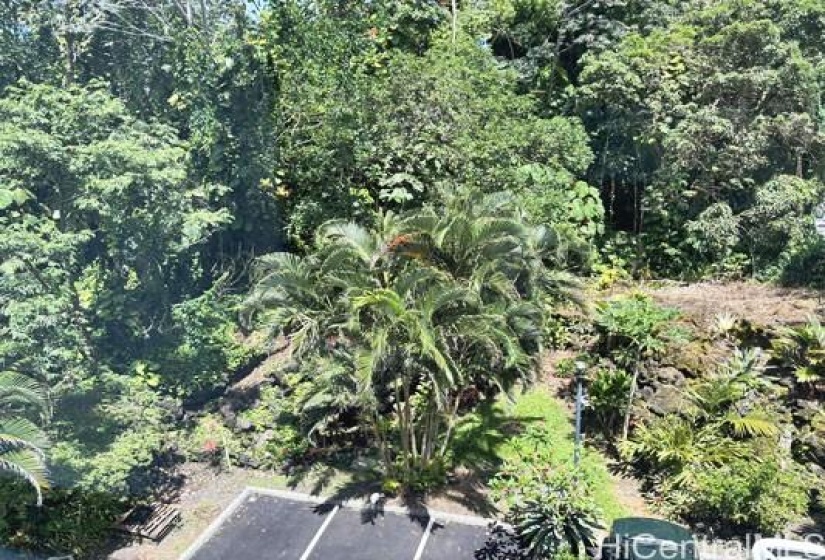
x=279 y=433
x=607 y=393
x=71 y=521
x=720 y=461
x=203 y=349
x=553 y=507
x=746 y=495
x=110 y=433
x=560 y=515
x=210 y=440
x=415 y=312
x=635 y=329
x=802 y=351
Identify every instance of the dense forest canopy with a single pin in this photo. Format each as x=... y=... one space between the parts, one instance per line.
x=151 y=151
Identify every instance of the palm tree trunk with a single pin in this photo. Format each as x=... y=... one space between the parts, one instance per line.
x=454 y=6
x=450 y=425
x=383 y=449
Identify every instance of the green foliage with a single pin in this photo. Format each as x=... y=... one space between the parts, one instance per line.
x=636 y=327
x=284 y=427
x=556 y=514
x=802 y=351
x=573 y=208
x=411 y=315
x=684 y=138
x=204 y=350
x=73 y=522
x=706 y=124
x=108 y=234
x=552 y=507
x=720 y=460
x=607 y=397
x=397 y=131
x=212 y=441
x=22 y=443
x=744 y=494
x=541 y=448
x=109 y=433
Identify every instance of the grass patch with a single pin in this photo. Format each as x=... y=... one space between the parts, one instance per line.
x=536 y=426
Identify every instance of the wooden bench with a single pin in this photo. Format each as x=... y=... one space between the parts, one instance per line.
x=151 y=521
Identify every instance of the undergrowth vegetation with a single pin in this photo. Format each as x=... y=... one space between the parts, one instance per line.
x=297 y=234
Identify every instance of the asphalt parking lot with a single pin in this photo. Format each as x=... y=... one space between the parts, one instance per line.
x=266 y=524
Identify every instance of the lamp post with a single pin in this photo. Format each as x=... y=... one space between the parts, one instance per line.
x=581 y=369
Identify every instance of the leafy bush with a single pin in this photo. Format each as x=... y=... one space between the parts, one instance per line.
x=607 y=397
x=763 y=495
x=69 y=522
x=204 y=348
x=802 y=351
x=635 y=329
x=109 y=434
x=211 y=440
x=555 y=513
x=276 y=429
x=720 y=462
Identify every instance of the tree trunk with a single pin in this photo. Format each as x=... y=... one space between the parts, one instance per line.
x=455 y=19
x=630 y=397
x=450 y=425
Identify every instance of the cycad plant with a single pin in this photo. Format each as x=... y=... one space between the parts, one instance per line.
x=419 y=309
x=802 y=350
x=721 y=416
x=22 y=442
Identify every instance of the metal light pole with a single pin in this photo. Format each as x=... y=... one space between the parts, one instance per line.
x=581 y=369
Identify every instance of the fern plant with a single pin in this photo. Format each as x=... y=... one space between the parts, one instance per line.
x=725 y=422
x=802 y=350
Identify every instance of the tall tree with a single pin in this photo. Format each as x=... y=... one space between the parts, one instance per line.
x=418 y=310
x=100 y=225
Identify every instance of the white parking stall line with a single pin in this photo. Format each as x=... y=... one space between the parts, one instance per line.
x=216 y=525
x=320 y=532
x=420 y=552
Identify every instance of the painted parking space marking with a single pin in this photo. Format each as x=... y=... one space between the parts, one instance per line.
x=320 y=532
x=284 y=525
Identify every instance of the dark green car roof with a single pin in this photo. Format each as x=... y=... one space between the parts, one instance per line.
x=640 y=538
x=629 y=527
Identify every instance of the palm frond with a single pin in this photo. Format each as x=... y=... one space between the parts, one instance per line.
x=20 y=432
x=28 y=465
x=751 y=425
x=22 y=390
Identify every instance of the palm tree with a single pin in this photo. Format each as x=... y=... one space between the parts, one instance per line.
x=22 y=442
x=420 y=308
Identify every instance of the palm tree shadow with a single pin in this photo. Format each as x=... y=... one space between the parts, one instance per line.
x=476 y=446
x=478 y=439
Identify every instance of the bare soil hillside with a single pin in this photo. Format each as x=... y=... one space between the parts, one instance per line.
x=758 y=304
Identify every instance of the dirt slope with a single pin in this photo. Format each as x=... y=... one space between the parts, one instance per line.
x=759 y=304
